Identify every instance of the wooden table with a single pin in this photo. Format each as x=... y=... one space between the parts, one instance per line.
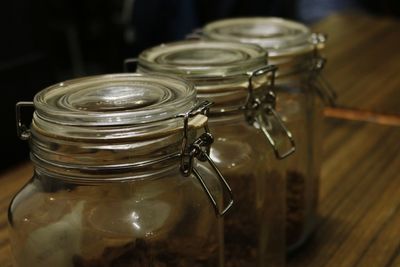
x=359 y=222
x=359 y=209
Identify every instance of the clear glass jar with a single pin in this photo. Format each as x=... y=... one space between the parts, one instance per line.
x=293 y=48
x=238 y=80
x=116 y=180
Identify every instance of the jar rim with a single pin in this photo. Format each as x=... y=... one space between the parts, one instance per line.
x=203 y=59
x=280 y=37
x=220 y=71
x=75 y=128
x=115 y=100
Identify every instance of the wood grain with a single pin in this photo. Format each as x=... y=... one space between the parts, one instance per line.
x=10 y=182
x=363 y=60
x=360 y=198
x=360 y=188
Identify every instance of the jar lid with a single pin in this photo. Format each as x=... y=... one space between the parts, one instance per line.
x=278 y=36
x=208 y=59
x=113 y=123
x=219 y=70
x=115 y=99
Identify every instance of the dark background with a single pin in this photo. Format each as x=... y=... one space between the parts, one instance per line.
x=47 y=41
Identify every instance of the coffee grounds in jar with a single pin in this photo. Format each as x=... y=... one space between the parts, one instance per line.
x=295 y=201
x=240 y=224
x=141 y=254
x=254 y=230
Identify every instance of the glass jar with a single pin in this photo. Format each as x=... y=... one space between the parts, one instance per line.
x=238 y=80
x=116 y=180
x=293 y=48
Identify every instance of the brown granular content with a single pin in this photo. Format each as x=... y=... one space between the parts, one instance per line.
x=295 y=201
x=240 y=225
x=254 y=230
x=140 y=254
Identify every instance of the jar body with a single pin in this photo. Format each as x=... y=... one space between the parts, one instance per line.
x=166 y=221
x=294 y=49
x=301 y=109
x=253 y=228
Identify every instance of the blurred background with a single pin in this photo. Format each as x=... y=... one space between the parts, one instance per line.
x=46 y=41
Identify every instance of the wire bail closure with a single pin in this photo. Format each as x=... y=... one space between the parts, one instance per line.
x=200 y=149
x=130 y=64
x=23 y=131
x=258 y=108
x=317 y=80
x=196 y=34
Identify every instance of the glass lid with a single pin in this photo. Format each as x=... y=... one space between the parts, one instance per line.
x=203 y=58
x=278 y=36
x=115 y=99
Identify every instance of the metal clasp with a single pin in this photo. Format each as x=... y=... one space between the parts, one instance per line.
x=23 y=131
x=200 y=150
x=269 y=110
x=320 y=84
x=317 y=80
x=130 y=64
x=196 y=34
x=257 y=109
x=318 y=39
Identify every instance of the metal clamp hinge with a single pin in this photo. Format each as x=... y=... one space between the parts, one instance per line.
x=196 y=34
x=23 y=131
x=320 y=84
x=200 y=150
x=318 y=39
x=258 y=108
x=268 y=110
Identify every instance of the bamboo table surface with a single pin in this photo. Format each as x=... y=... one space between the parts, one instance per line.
x=359 y=223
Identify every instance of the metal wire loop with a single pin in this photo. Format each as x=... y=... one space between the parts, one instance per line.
x=318 y=81
x=224 y=183
x=252 y=75
x=320 y=84
x=23 y=131
x=186 y=160
x=130 y=65
x=200 y=150
x=263 y=126
x=197 y=34
x=257 y=109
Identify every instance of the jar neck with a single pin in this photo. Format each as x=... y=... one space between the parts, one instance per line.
x=90 y=177
x=88 y=161
x=293 y=65
x=231 y=94
x=226 y=117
